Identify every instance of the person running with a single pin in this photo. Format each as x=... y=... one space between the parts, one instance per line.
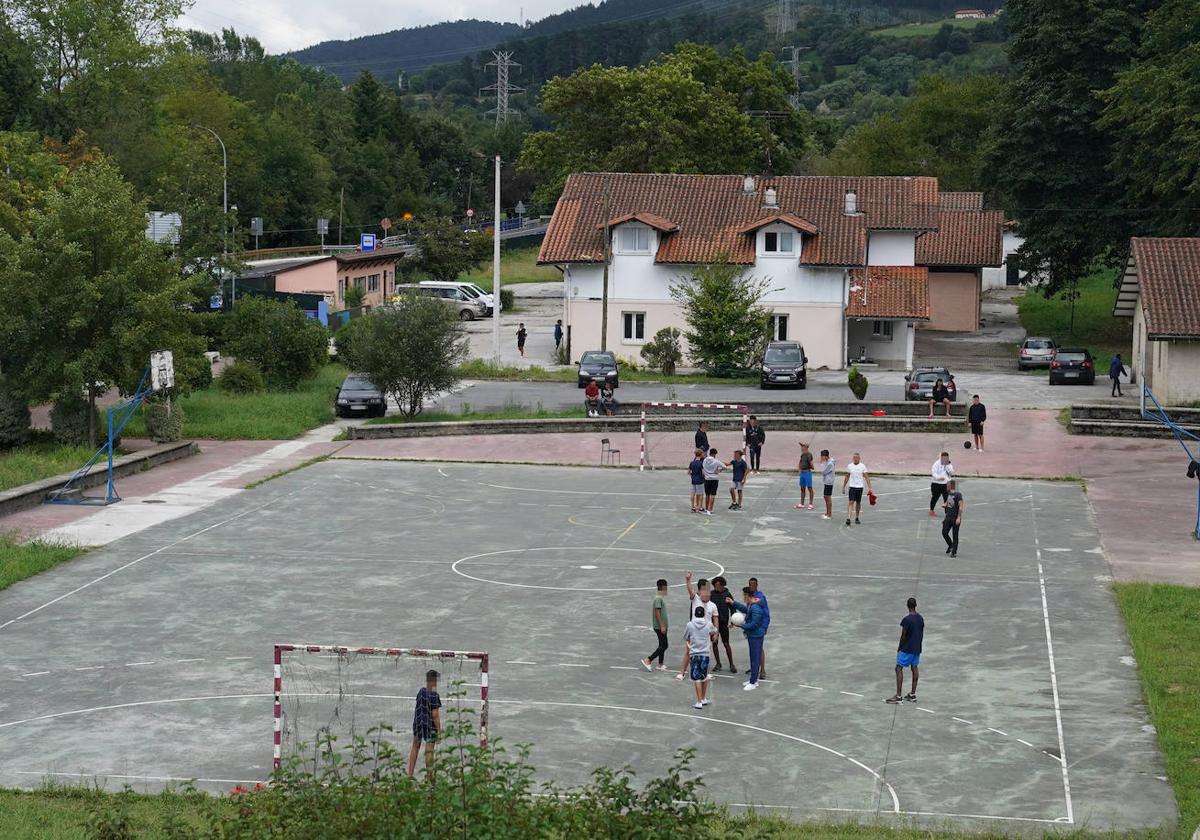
x=806 y=477
x=696 y=471
x=761 y=598
x=941 y=471
x=718 y=596
x=558 y=333
x=1115 y=369
x=827 y=479
x=702 y=436
x=856 y=479
x=738 y=465
x=977 y=415
x=754 y=628
x=908 y=654
x=953 y=520
x=755 y=438
x=701 y=597
x=697 y=644
x=427 y=722
x=940 y=395
x=712 y=469
x=521 y=334
x=658 y=623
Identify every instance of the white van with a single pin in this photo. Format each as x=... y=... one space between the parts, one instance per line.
x=472 y=291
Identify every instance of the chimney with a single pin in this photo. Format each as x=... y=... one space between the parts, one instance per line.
x=851 y=204
x=748 y=187
x=770 y=198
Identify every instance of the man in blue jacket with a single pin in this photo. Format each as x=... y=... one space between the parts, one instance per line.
x=754 y=628
x=1115 y=368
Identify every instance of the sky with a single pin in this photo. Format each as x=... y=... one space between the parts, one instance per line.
x=283 y=25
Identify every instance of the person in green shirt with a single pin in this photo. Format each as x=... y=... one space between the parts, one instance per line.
x=658 y=623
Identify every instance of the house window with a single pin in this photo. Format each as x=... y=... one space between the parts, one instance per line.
x=635 y=326
x=778 y=242
x=633 y=239
x=373 y=283
x=882 y=330
x=779 y=327
x=360 y=281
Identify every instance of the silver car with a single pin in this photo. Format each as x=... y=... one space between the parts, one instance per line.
x=1036 y=351
x=468 y=308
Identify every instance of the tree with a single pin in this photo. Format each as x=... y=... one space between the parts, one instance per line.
x=409 y=350
x=89 y=296
x=727 y=329
x=369 y=106
x=286 y=345
x=446 y=250
x=18 y=80
x=663 y=352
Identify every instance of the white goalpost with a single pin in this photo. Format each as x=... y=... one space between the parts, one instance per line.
x=644 y=457
x=327 y=697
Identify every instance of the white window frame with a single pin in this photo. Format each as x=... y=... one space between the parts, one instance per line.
x=637 y=231
x=882 y=330
x=630 y=321
x=778 y=319
x=779 y=250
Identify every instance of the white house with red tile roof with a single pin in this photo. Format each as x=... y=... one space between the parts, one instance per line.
x=842 y=255
x=1160 y=290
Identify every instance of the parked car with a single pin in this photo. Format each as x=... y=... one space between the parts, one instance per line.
x=784 y=363
x=919 y=382
x=472 y=291
x=600 y=366
x=1036 y=351
x=1073 y=366
x=359 y=398
x=467 y=307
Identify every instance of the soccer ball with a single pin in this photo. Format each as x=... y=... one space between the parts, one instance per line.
x=966 y=444
x=737 y=619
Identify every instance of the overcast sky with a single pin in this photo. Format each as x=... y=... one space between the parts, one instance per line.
x=284 y=25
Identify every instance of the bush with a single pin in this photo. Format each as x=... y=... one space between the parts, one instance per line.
x=858 y=383
x=344 y=341
x=354 y=297
x=286 y=345
x=241 y=378
x=663 y=352
x=164 y=420
x=14 y=420
x=69 y=421
x=211 y=327
x=507 y=300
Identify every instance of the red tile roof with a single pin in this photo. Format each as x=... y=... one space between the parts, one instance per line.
x=656 y=222
x=960 y=200
x=782 y=218
x=892 y=292
x=380 y=255
x=713 y=211
x=963 y=238
x=1168 y=271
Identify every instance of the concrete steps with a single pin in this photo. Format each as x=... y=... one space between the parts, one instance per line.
x=1122 y=421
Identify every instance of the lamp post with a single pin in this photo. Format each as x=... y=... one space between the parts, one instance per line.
x=225 y=188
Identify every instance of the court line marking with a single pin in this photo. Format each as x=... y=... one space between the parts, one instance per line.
x=35 y=674
x=136 y=664
x=997 y=731
x=602 y=549
x=1046 y=820
x=960 y=720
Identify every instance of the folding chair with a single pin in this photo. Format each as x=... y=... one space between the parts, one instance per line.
x=607 y=452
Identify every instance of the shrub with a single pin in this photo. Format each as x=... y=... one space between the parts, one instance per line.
x=728 y=329
x=354 y=297
x=211 y=327
x=69 y=421
x=14 y=420
x=344 y=341
x=286 y=345
x=241 y=378
x=164 y=420
x=663 y=352
x=507 y=300
x=858 y=383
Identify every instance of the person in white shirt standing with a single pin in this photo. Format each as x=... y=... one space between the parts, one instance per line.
x=712 y=469
x=942 y=473
x=857 y=480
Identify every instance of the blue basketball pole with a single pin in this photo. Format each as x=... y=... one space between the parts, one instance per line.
x=1181 y=435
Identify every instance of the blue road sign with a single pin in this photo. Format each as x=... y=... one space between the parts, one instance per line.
x=366 y=242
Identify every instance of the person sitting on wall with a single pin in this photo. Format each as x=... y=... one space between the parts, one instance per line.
x=608 y=400
x=591 y=399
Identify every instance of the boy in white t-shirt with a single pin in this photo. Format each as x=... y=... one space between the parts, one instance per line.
x=700 y=597
x=856 y=479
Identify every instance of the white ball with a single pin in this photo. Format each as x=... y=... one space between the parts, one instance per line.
x=737 y=619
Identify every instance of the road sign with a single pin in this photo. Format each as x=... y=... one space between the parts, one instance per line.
x=256 y=226
x=366 y=242
x=470 y=213
x=216 y=301
x=385 y=223
x=323 y=227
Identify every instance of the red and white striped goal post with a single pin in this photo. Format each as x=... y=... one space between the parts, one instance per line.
x=744 y=409
x=281 y=649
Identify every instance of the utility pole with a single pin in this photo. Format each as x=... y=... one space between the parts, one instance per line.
x=341 y=207
x=785 y=22
x=607 y=260
x=496 y=270
x=503 y=63
x=794 y=65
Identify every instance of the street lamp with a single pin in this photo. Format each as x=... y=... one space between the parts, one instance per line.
x=225 y=188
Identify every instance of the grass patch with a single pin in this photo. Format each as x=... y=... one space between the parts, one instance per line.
x=18 y=562
x=40 y=459
x=1095 y=326
x=913 y=30
x=517 y=265
x=65 y=813
x=1064 y=417
x=270 y=415
x=1164 y=626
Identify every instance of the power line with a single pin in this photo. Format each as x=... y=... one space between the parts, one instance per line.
x=503 y=64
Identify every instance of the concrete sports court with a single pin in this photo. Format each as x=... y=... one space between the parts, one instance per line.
x=150 y=660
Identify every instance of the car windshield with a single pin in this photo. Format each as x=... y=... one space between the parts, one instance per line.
x=933 y=376
x=783 y=356
x=469 y=291
x=357 y=383
x=1070 y=357
x=597 y=359
x=1038 y=344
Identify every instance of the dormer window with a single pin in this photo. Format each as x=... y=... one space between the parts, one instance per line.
x=633 y=239
x=779 y=242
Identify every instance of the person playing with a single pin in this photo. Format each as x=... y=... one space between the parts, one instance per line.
x=697 y=644
x=977 y=415
x=940 y=395
x=761 y=598
x=755 y=438
x=738 y=465
x=1115 y=369
x=941 y=471
x=712 y=469
x=696 y=472
x=718 y=596
x=702 y=436
x=806 y=476
x=558 y=333
x=908 y=654
x=953 y=521
x=521 y=333
x=658 y=623
x=699 y=597
x=427 y=722
x=608 y=400
x=827 y=479
x=856 y=479
x=591 y=399
x=754 y=629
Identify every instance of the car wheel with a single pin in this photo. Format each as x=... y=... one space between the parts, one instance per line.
x=762 y=386
x=466 y=315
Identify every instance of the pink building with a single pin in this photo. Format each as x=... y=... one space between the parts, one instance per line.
x=330 y=276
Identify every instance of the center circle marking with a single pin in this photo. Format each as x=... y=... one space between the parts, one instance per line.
x=718 y=569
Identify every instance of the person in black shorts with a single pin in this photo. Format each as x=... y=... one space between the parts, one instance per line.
x=953 y=520
x=521 y=333
x=702 y=437
x=977 y=414
x=718 y=597
x=427 y=722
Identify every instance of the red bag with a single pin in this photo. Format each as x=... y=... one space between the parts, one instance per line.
x=871 y=497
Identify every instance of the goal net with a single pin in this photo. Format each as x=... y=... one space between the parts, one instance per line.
x=723 y=418
x=330 y=697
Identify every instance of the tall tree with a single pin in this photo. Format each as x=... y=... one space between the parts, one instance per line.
x=446 y=250
x=369 y=103
x=18 y=79
x=727 y=327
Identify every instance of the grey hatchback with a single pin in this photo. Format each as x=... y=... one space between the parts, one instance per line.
x=918 y=384
x=359 y=398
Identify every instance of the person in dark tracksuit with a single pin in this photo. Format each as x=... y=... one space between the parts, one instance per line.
x=1115 y=368
x=950 y=525
x=755 y=438
x=702 y=437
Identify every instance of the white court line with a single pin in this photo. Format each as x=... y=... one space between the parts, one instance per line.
x=623 y=668
x=927 y=711
x=813 y=687
x=190 y=660
x=230 y=658
x=518 y=662
x=454 y=566
x=921 y=814
x=570 y=664
x=997 y=731
x=146 y=778
x=1062 y=745
x=90 y=668
x=850 y=694
x=136 y=664
x=960 y=720
x=1026 y=743
x=35 y=674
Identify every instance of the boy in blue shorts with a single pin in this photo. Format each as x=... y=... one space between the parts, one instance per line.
x=806 y=477
x=697 y=638
x=696 y=472
x=738 y=465
x=908 y=655
x=427 y=722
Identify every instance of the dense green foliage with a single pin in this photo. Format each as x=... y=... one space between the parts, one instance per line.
x=279 y=339
x=446 y=250
x=14 y=420
x=727 y=328
x=241 y=378
x=1092 y=324
x=164 y=420
x=858 y=383
x=74 y=422
x=664 y=351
